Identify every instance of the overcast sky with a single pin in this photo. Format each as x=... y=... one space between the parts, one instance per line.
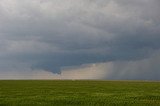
x=85 y=39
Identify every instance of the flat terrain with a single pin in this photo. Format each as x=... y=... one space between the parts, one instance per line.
x=78 y=93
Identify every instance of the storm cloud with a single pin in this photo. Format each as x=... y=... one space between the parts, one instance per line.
x=50 y=35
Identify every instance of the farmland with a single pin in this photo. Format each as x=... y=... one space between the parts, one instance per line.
x=78 y=93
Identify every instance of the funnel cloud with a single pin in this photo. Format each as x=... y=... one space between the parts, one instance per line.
x=82 y=39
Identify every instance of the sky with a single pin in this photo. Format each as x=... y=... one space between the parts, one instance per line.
x=80 y=39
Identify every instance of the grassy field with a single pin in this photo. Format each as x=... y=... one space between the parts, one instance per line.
x=78 y=93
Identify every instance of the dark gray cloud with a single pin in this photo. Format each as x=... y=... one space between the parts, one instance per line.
x=49 y=35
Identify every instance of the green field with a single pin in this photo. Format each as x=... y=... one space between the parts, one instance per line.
x=78 y=93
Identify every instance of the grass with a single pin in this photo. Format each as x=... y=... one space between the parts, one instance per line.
x=78 y=93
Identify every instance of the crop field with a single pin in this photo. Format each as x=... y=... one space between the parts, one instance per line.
x=78 y=93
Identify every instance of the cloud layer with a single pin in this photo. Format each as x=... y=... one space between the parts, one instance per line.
x=50 y=35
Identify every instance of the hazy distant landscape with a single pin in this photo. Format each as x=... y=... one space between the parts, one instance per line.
x=78 y=93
